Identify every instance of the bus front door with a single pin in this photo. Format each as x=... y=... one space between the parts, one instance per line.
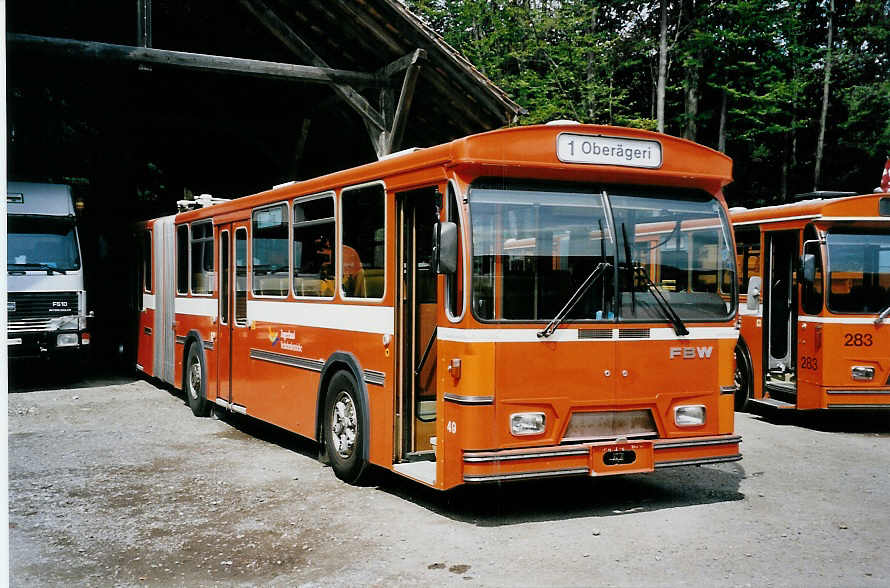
x=416 y=422
x=224 y=324
x=780 y=308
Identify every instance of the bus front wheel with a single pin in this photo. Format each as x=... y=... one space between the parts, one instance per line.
x=742 y=378
x=344 y=437
x=194 y=381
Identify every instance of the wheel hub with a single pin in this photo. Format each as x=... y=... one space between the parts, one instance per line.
x=344 y=425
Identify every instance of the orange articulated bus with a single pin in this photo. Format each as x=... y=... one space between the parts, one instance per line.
x=814 y=278
x=530 y=302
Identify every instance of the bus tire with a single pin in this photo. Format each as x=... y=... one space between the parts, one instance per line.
x=194 y=382
x=344 y=438
x=742 y=377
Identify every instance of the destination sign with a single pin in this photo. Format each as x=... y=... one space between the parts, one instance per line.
x=599 y=150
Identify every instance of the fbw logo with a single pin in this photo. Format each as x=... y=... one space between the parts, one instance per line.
x=691 y=352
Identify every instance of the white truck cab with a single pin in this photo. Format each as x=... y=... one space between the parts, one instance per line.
x=46 y=298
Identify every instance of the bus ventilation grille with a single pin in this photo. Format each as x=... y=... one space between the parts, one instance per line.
x=633 y=333
x=594 y=333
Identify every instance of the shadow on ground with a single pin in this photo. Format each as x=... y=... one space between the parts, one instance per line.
x=511 y=503
x=829 y=421
x=32 y=375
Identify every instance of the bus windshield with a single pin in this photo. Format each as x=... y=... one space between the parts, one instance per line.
x=859 y=271
x=534 y=246
x=42 y=242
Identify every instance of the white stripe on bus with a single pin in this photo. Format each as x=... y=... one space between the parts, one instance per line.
x=530 y=335
x=148 y=301
x=197 y=306
x=344 y=317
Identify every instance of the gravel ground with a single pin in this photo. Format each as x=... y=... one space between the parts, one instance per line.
x=113 y=482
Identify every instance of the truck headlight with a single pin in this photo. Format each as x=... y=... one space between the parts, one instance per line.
x=67 y=340
x=689 y=416
x=70 y=323
x=527 y=423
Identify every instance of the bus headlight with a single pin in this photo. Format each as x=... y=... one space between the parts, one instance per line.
x=862 y=373
x=689 y=416
x=527 y=423
x=67 y=340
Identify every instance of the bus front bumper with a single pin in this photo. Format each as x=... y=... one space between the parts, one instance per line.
x=598 y=459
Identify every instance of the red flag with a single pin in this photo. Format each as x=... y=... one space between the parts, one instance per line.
x=885 y=179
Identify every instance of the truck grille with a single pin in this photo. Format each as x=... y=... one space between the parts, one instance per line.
x=27 y=325
x=22 y=306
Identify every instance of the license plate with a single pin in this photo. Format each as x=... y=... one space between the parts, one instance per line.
x=13 y=341
x=621 y=458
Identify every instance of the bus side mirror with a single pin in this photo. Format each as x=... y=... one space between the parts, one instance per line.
x=445 y=248
x=754 y=293
x=808 y=269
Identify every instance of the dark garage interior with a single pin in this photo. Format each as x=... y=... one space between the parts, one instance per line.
x=95 y=102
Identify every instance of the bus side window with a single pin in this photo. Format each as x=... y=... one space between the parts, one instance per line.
x=269 y=250
x=182 y=259
x=146 y=259
x=811 y=295
x=313 y=246
x=363 y=222
x=747 y=255
x=454 y=283
x=241 y=277
x=202 y=258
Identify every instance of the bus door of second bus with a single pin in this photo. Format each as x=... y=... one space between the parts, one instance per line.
x=224 y=323
x=780 y=309
x=416 y=422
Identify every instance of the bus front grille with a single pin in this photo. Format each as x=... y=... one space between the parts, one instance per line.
x=612 y=424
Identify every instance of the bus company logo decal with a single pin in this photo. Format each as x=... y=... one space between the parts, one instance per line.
x=285 y=339
x=273 y=336
x=691 y=352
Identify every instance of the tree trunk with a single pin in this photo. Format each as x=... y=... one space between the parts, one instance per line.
x=691 y=89
x=820 y=144
x=721 y=137
x=589 y=94
x=662 y=67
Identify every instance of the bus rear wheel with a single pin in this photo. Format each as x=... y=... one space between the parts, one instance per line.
x=344 y=437
x=194 y=382
x=742 y=378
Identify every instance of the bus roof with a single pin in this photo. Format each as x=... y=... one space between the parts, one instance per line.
x=863 y=206
x=516 y=152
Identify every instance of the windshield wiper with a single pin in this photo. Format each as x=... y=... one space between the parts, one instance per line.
x=629 y=266
x=663 y=303
x=882 y=315
x=584 y=287
x=40 y=266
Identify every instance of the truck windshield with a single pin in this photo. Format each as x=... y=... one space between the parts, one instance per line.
x=859 y=270
x=35 y=242
x=533 y=246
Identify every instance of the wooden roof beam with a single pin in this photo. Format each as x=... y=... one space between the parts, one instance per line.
x=198 y=61
x=266 y=16
x=400 y=119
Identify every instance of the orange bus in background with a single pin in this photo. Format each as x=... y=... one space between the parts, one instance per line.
x=814 y=278
x=524 y=303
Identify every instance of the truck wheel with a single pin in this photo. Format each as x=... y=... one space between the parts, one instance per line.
x=194 y=382
x=344 y=438
x=742 y=378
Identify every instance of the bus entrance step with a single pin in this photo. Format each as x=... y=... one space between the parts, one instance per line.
x=771 y=402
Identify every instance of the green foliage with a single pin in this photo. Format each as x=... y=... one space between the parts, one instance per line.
x=596 y=61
